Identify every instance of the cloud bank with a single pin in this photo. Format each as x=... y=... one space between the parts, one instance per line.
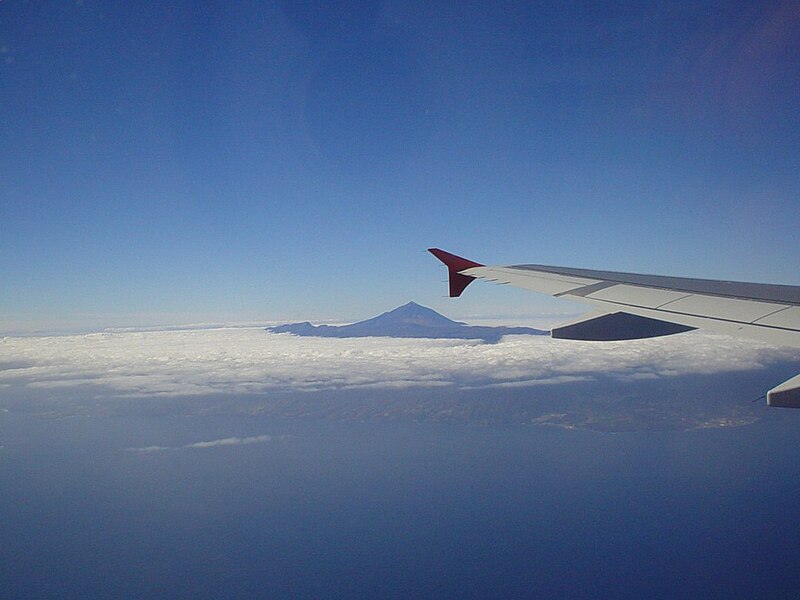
x=250 y=360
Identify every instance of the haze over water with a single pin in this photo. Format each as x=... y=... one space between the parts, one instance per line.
x=121 y=507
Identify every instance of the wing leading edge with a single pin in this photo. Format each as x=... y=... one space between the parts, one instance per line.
x=635 y=306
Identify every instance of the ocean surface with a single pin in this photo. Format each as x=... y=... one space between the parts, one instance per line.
x=246 y=506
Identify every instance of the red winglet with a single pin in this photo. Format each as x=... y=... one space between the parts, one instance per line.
x=455 y=264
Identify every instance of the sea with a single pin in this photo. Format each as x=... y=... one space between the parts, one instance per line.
x=243 y=506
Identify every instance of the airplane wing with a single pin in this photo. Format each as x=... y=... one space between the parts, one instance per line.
x=635 y=306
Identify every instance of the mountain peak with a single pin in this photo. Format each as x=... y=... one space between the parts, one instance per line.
x=415 y=314
x=410 y=306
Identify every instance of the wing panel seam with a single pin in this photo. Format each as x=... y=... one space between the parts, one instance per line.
x=588 y=289
x=775 y=312
x=660 y=306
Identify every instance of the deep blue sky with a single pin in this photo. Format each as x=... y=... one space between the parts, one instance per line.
x=163 y=163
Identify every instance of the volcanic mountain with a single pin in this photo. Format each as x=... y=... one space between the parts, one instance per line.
x=408 y=321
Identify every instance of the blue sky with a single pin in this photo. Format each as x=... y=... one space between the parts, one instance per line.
x=248 y=161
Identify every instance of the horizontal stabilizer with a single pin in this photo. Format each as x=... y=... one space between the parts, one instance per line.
x=458 y=282
x=616 y=326
x=786 y=395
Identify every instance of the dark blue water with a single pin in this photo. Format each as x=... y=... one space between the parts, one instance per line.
x=343 y=510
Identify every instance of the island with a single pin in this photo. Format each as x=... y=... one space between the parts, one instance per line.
x=411 y=320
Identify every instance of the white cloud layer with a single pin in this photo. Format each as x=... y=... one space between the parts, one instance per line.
x=250 y=360
x=230 y=441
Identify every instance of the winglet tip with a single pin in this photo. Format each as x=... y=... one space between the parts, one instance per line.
x=455 y=264
x=452 y=260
